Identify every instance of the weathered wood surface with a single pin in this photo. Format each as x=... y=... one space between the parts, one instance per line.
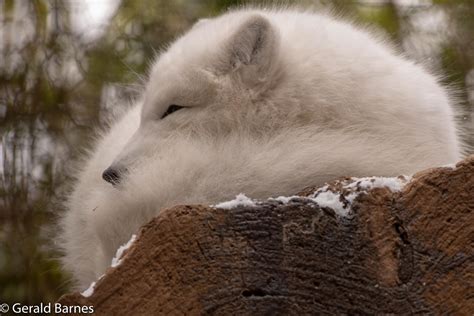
x=400 y=253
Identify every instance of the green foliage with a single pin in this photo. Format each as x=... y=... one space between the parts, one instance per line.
x=384 y=16
x=451 y=60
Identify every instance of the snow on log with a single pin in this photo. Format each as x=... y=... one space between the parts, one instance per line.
x=400 y=246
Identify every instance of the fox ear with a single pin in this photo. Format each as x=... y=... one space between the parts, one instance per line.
x=251 y=50
x=200 y=22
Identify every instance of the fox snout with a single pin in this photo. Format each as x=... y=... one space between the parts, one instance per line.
x=113 y=175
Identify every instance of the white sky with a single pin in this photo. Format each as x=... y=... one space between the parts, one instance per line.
x=90 y=17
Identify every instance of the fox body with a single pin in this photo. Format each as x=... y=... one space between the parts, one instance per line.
x=261 y=102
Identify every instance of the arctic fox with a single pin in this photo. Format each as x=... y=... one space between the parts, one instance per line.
x=263 y=102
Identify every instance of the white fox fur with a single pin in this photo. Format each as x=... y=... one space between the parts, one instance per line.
x=276 y=100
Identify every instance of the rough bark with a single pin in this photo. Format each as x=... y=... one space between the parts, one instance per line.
x=399 y=253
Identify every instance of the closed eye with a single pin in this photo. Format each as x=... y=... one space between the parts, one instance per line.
x=172 y=108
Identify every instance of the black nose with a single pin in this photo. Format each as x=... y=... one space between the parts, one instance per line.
x=111 y=175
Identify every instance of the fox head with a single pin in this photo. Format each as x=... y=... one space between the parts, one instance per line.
x=211 y=84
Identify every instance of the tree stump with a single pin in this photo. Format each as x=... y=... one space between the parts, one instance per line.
x=406 y=252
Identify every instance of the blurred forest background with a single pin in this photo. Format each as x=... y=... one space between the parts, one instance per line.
x=64 y=65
